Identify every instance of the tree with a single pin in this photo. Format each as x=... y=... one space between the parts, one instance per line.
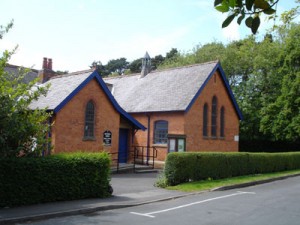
x=172 y=53
x=281 y=118
x=100 y=68
x=200 y=54
x=59 y=72
x=135 y=66
x=22 y=131
x=251 y=10
x=156 y=61
x=117 y=65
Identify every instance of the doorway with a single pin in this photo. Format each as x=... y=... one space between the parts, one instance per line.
x=123 y=146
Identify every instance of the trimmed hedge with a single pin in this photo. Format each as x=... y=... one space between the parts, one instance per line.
x=58 y=177
x=184 y=167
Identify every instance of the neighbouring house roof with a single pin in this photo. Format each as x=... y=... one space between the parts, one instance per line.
x=64 y=88
x=14 y=72
x=173 y=89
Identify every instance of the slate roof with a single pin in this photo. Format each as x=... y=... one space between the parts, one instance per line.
x=166 y=90
x=14 y=71
x=63 y=88
x=60 y=88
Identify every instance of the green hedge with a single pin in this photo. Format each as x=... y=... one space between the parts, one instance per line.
x=54 y=178
x=184 y=167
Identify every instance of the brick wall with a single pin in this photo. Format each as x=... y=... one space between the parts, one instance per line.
x=68 y=129
x=175 y=126
x=193 y=120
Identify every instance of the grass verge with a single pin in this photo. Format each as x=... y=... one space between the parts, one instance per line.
x=211 y=184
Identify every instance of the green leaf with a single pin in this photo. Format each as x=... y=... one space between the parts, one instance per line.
x=232 y=3
x=217 y=2
x=248 y=22
x=261 y=4
x=222 y=8
x=228 y=20
x=255 y=24
x=249 y=4
x=240 y=19
x=269 y=11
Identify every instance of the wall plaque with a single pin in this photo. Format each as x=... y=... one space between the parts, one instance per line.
x=107 y=138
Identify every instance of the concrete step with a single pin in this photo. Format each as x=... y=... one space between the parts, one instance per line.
x=146 y=170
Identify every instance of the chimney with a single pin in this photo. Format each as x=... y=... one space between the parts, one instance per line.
x=49 y=64
x=146 y=65
x=46 y=73
x=45 y=64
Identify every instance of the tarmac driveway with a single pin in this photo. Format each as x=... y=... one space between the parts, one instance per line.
x=127 y=183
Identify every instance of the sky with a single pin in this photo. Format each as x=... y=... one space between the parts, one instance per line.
x=74 y=33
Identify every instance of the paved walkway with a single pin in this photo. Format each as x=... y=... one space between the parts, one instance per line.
x=129 y=190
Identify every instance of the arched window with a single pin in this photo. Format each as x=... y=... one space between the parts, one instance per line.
x=160 y=132
x=222 y=122
x=89 y=120
x=205 y=120
x=214 y=117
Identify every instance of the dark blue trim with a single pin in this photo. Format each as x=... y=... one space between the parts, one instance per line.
x=228 y=89
x=98 y=78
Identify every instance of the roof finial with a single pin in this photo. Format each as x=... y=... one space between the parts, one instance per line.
x=146 y=65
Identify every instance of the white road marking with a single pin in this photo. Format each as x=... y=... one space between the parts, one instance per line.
x=142 y=214
x=150 y=214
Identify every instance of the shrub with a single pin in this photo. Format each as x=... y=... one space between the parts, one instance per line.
x=54 y=178
x=192 y=166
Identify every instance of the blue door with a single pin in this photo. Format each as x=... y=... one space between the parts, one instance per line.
x=123 y=145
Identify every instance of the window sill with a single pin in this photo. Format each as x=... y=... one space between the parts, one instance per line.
x=89 y=139
x=160 y=145
x=213 y=138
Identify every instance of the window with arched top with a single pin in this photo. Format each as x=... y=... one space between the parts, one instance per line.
x=160 y=132
x=89 y=120
x=205 y=120
x=214 y=107
x=222 y=122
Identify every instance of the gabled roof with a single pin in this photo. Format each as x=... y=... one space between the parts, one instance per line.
x=64 y=88
x=14 y=71
x=166 y=90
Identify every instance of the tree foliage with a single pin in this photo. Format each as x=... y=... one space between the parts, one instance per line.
x=121 y=66
x=281 y=117
x=21 y=130
x=251 y=11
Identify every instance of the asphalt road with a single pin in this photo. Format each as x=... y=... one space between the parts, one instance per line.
x=276 y=203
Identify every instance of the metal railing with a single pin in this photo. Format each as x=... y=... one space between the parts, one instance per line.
x=139 y=155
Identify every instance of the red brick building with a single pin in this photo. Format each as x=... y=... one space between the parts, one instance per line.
x=190 y=108
x=86 y=117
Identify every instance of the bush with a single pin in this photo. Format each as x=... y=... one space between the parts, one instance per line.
x=58 y=177
x=184 y=167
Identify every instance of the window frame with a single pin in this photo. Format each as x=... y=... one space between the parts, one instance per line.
x=222 y=122
x=89 y=121
x=214 y=115
x=205 y=120
x=159 y=131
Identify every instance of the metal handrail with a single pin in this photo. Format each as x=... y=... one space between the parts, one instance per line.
x=138 y=153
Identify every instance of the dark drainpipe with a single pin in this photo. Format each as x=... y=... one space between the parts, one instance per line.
x=148 y=138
